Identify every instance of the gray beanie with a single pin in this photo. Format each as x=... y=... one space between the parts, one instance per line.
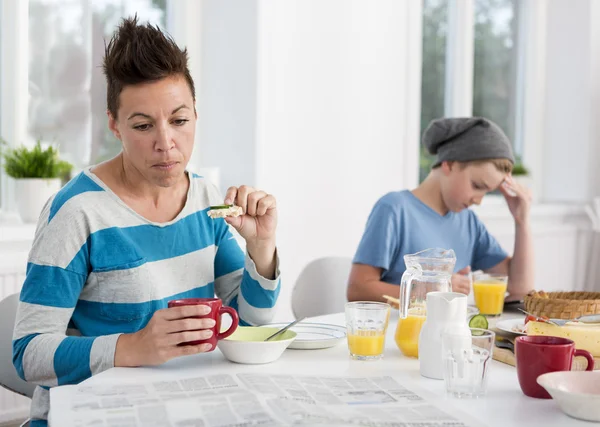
x=466 y=139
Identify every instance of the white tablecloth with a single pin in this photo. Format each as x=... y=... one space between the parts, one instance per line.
x=503 y=406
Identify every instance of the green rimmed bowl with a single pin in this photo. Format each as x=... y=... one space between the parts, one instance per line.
x=247 y=345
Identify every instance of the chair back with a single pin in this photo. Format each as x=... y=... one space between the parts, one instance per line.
x=321 y=287
x=8 y=375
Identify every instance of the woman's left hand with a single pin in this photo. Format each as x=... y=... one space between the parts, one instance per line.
x=518 y=199
x=258 y=223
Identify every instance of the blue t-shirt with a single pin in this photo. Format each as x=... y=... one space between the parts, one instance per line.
x=400 y=224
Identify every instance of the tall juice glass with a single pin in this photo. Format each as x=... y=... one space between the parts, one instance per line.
x=489 y=291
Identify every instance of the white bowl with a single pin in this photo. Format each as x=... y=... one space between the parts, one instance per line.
x=577 y=393
x=247 y=345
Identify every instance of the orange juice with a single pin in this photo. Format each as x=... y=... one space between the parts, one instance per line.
x=489 y=296
x=408 y=330
x=366 y=343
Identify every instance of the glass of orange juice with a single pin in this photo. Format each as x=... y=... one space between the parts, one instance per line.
x=489 y=291
x=366 y=325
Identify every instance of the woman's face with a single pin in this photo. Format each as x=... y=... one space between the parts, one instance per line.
x=465 y=185
x=156 y=123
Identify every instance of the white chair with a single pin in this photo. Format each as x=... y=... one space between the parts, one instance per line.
x=321 y=287
x=8 y=375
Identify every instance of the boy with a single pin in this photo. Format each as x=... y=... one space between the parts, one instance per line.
x=474 y=157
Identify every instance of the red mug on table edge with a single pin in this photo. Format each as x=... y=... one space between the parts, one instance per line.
x=216 y=311
x=537 y=355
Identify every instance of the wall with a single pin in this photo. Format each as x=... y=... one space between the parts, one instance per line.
x=333 y=122
x=328 y=79
x=335 y=111
x=562 y=239
x=227 y=101
x=572 y=105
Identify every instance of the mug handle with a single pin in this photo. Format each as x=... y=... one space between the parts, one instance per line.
x=236 y=321
x=588 y=356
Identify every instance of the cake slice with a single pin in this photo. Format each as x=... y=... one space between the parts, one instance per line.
x=586 y=336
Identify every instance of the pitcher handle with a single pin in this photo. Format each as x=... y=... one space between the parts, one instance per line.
x=405 y=287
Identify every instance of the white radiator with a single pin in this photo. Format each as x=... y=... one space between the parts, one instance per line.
x=12 y=274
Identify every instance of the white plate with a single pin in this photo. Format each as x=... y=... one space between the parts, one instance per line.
x=508 y=325
x=313 y=336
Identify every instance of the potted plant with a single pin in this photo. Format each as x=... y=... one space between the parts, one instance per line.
x=38 y=173
x=521 y=174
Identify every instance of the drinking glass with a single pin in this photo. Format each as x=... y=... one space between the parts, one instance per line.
x=467 y=361
x=366 y=325
x=489 y=291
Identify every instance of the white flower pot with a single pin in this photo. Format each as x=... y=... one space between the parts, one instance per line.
x=32 y=195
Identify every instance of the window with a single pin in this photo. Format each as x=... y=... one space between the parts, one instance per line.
x=2 y=179
x=435 y=27
x=496 y=63
x=67 y=90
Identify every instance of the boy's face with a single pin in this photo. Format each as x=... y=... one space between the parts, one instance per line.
x=465 y=185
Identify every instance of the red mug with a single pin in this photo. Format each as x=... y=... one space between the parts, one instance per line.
x=537 y=355
x=216 y=311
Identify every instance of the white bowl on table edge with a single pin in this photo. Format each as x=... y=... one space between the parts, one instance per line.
x=577 y=393
x=247 y=345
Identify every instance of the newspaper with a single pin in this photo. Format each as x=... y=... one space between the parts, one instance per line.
x=250 y=400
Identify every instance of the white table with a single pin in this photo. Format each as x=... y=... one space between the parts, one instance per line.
x=503 y=406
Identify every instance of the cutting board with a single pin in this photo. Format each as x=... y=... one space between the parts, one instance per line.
x=504 y=355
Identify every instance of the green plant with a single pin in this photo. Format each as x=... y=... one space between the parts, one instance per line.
x=519 y=168
x=37 y=162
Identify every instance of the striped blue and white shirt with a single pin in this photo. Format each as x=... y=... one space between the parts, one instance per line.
x=98 y=269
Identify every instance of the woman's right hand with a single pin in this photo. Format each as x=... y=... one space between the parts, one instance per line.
x=159 y=341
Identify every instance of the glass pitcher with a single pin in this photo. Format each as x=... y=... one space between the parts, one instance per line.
x=426 y=271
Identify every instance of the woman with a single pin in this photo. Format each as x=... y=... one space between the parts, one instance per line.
x=126 y=236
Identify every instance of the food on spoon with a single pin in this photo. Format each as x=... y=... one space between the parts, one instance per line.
x=522 y=329
x=222 y=211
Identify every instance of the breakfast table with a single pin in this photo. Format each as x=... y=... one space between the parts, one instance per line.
x=504 y=404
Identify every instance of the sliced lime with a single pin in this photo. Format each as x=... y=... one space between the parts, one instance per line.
x=220 y=207
x=478 y=321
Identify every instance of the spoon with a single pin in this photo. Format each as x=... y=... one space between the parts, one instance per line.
x=589 y=318
x=279 y=332
x=538 y=318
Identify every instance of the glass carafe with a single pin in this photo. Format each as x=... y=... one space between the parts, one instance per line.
x=426 y=271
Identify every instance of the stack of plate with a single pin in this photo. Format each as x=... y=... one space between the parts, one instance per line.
x=313 y=336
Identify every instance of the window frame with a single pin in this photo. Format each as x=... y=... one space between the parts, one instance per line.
x=14 y=57
x=531 y=73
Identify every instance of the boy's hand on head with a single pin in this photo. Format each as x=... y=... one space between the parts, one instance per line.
x=461 y=281
x=518 y=199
